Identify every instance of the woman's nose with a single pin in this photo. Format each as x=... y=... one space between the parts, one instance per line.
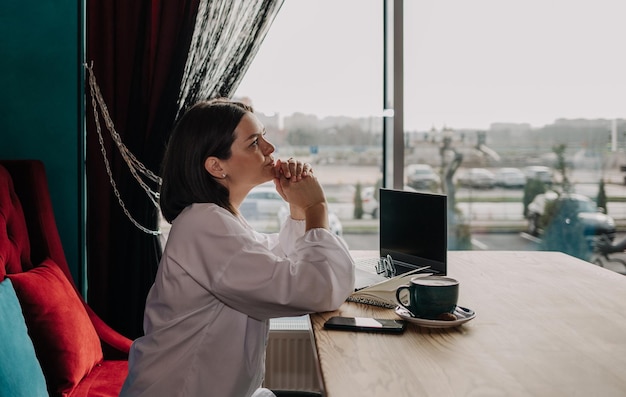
x=267 y=147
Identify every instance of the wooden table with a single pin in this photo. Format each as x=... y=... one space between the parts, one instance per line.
x=547 y=324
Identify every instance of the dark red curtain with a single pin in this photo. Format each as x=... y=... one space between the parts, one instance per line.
x=138 y=49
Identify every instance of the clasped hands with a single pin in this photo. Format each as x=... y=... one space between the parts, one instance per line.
x=292 y=168
x=296 y=183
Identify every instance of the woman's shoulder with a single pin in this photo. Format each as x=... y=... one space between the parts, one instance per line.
x=197 y=221
x=202 y=211
x=199 y=215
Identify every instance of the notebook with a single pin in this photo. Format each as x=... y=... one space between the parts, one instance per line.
x=413 y=235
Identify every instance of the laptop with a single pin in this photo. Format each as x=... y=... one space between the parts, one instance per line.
x=413 y=233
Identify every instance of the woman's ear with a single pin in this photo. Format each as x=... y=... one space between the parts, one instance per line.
x=214 y=167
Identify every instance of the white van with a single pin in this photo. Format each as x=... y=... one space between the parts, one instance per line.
x=540 y=172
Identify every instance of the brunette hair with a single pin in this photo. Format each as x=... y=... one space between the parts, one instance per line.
x=206 y=129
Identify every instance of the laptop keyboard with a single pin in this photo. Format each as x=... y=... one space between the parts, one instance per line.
x=367 y=264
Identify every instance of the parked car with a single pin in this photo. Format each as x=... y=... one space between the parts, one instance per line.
x=422 y=177
x=370 y=204
x=264 y=202
x=479 y=178
x=539 y=172
x=261 y=202
x=510 y=177
x=594 y=220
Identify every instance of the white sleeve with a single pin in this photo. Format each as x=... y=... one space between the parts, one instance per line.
x=282 y=243
x=290 y=232
x=246 y=274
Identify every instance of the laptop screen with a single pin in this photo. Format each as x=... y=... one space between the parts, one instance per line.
x=413 y=229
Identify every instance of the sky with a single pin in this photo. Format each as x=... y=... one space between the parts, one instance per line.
x=468 y=63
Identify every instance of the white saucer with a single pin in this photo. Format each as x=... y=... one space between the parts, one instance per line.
x=463 y=315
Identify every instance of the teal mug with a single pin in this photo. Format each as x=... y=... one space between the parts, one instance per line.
x=429 y=297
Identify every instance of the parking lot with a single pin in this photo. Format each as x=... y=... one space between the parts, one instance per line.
x=495 y=215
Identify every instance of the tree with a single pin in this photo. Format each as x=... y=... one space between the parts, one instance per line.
x=601 y=200
x=561 y=165
x=358 y=202
x=377 y=186
x=532 y=188
x=564 y=231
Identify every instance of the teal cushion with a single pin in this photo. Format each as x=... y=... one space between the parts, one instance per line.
x=20 y=372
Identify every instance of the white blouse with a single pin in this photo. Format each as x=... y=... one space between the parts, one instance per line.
x=219 y=282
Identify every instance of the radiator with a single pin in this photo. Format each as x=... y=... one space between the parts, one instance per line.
x=290 y=362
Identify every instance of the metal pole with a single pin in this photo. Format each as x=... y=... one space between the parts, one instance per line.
x=393 y=94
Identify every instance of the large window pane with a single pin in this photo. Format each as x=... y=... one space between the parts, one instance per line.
x=519 y=84
x=316 y=84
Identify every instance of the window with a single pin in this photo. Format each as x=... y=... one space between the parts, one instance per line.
x=525 y=91
x=528 y=85
x=316 y=84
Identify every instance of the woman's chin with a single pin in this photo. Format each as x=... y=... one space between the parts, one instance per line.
x=269 y=176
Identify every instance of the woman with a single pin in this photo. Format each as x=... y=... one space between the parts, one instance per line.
x=219 y=282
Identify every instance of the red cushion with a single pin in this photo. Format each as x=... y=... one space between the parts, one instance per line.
x=105 y=380
x=65 y=340
x=14 y=242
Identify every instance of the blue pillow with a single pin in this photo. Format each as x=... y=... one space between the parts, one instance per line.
x=20 y=372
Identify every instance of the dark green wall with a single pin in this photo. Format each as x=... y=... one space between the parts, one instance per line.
x=41 y=105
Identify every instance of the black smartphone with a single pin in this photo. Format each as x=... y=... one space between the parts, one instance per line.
x=365 y=324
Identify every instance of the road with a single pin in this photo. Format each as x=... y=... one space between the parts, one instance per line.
x=482 y=241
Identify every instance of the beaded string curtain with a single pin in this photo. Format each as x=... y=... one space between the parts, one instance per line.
x=226 y=37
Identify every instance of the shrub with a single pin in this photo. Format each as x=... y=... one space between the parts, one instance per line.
x=358 y=202
x=601 y=200
x=532 y=188
x=564 y=231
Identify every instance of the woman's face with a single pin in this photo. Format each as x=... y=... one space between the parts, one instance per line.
x=251 y=162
